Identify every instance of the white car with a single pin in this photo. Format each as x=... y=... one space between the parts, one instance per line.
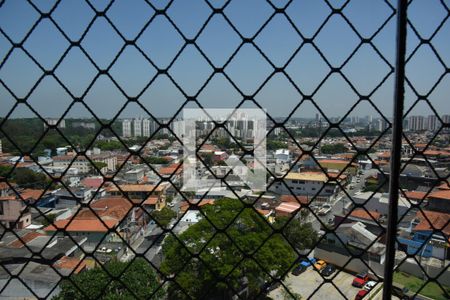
x=369 y=285
x=326 y=208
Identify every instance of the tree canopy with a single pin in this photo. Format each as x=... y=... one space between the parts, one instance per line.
x=137 y=281
x=240 y=255
x=334 y=149
x=164 y=216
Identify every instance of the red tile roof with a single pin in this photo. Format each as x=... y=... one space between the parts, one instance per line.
x=362 y=214
x=112 y=207
x=71 y=263
x=438 y=220
x=151 y=200
x=440 y=194
x=92 y=182
x=415 y=195
x=295 y=199
x=28 y=237
x=288 y=207
x=83 y=225
x=31 y=194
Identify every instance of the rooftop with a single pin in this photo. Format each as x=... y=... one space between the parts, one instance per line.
x=307 y=176
x=83 y=225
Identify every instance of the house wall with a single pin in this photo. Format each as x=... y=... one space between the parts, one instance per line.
x=303 y=187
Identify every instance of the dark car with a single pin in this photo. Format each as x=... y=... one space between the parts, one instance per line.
x=401 y=291
x=270 y=286
x=329 y=269
x=298 y=270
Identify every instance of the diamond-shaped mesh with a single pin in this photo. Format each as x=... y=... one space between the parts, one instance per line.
x=77 y=77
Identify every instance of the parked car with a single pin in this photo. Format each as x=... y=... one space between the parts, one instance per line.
x=401 y=291
x=298 y=270
x=361 y=294
x=320 y=264
x=369 y=285
x=307 y=262
x=326 y=208
x=360 y=279
x=329 y=269
x=270 y=286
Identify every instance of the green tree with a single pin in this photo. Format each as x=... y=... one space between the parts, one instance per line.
x=220 y=254
x=135 y=281
x=164 y=216
x=99 y=166
x=49 y=220
x=30 y=179
x=334 y=149
x=301 y=235
x=4 y=170
x=109 y=145
x=155 y=160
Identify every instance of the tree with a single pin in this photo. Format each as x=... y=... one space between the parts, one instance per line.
x=100 y=165
x=164 y=216
x=333 y=149
x=30 y=179
x=301 y=235
x=220 y=255
x=139 y=281
x=155 y=160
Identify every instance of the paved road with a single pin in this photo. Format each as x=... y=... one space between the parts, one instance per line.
x=342 y=200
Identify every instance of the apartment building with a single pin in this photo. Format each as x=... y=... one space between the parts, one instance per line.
x=83 y=164
x=126 y=128
x=305 y=183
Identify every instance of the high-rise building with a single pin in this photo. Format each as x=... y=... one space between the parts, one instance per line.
x=126 y=128
x=416 y=123
x=146 y=128
x=137 y=127
x=446 y=120
x=431 y=123
x=382 y=124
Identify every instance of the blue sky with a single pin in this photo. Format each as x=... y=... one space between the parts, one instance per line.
x=248 y=69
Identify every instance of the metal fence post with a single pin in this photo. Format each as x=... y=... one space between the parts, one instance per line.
x=395 y=163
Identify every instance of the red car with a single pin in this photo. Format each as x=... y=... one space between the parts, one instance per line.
x=360 y=279
x=361 y=294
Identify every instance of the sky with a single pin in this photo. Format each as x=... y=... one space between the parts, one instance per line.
x=248 y=69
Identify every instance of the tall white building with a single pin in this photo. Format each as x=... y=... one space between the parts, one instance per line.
x=178 y=128
x=416 y=123
x=137 y=127
x=382 y=124
x=126 y=128
x=146 y=127
x=432 y=123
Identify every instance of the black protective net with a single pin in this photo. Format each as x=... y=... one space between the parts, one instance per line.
x=112 y=66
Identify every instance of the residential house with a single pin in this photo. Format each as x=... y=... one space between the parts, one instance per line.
x=439 y=200
x=305 y=183
x=428 y=235
x=112 y=216
x=136 y=192
x=14 y=213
